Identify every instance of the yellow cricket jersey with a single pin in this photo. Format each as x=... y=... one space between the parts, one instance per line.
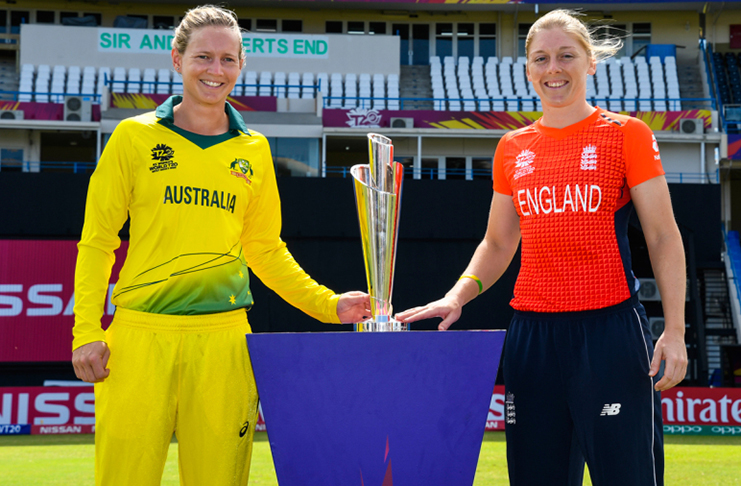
x=203 y=209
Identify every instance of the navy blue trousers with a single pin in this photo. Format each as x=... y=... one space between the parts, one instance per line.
x=577 y=388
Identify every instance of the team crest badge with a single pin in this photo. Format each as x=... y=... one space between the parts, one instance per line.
x=589 y=158
x=243 y=169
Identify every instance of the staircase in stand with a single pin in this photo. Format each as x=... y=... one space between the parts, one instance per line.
x=717 y=314
x=691 y=85
x=414 y=82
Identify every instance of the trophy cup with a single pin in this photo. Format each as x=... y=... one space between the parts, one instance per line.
x=378 y=199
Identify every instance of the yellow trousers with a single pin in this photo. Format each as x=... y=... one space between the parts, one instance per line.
x=185 y=374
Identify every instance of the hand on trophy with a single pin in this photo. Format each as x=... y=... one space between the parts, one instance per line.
x=353 y=307
x=448 y=308
x=378 y=198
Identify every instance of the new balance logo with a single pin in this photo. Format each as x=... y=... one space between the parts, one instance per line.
x=610 y=409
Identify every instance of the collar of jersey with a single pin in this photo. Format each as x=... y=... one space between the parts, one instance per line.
x=236 y=124
x=564 y=132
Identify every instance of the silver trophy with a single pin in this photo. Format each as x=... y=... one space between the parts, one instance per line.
x=378 y=198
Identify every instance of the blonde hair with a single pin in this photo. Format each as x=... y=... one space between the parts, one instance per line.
x=567 y=21
x=205 y=16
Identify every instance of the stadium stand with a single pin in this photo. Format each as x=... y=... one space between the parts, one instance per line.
x=457 y=95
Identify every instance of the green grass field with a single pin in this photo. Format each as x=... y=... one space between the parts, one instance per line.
x=68 y=460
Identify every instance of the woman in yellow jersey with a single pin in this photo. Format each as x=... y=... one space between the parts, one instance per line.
x=200 y=190
x=580 y=381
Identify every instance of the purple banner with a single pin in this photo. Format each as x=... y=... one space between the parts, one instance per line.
x=734 y=147
x=475 y=2
x=43 y=111
x=143 y=101
x=485 y=120
x=371 y=409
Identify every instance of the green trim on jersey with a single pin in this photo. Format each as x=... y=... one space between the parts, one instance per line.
x=199 y=218
x=166 y=118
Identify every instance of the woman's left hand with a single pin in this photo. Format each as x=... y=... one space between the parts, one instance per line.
x=353 y=307
x=671 y=349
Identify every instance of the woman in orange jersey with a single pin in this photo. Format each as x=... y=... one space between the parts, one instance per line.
x=200 y=190
x=579 y=367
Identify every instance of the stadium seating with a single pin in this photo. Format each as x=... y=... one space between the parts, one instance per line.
x=25 y=83
x=133 y=84
x=335 y=90
x=104 y=76
x=379 y=92
x=88 y=81
x=148 y=78
x=498 y=85
x=294 y=85
x=279 y=84
x=470 y=84
x=250 y=83
x=266 y=80
x=74 y=80
x=307 y=86
x=163 y=81
x=58 y=77
x=177 y=84
x=322 y=80
x=351 y=91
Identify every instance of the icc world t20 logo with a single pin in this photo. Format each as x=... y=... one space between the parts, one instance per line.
x=243 y=169
x=162 y=156
x=360 y=117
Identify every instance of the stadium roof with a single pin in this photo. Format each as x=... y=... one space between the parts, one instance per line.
x=391 y=7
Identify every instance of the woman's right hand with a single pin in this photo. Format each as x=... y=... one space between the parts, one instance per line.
x=448 y=308
x=90 y=361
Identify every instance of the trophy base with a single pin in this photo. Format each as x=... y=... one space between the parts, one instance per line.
x=390 y=325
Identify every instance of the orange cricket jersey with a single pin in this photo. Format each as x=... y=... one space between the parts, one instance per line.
x=571 y=189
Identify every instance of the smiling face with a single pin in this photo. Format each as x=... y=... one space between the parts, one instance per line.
x=210 y=64
x=558 y=65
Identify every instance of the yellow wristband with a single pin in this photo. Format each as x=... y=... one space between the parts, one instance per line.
x=475 y=278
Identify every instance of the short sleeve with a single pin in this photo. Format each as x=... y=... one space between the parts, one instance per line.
x=642 y=157
x=501 y=184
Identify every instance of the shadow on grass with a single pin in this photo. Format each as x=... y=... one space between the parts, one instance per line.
x=494 y=436
x=72 y=439
x=720 y=440
x=83 y=439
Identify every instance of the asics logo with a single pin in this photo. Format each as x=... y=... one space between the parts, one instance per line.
x=610 y=409
x=244 y=429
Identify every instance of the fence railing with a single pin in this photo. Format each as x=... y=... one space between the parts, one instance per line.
x=707 y=52
x=462 y=173
x=365 y=102
x=344 y=171
x=54 y=97
x=424 y=173
x=49 y=166
x=500 y=104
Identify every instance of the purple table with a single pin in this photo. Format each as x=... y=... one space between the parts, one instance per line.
x=376 y=409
